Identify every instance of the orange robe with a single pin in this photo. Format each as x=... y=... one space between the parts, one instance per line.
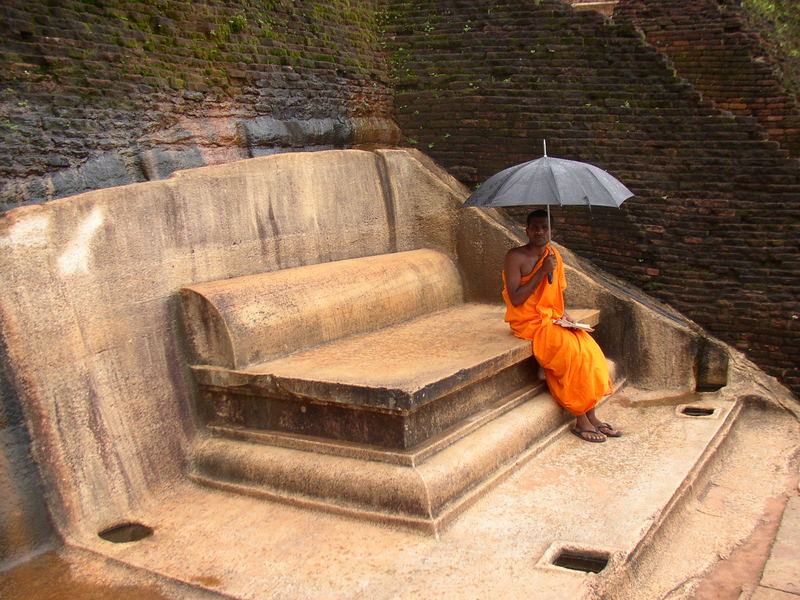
x=574 y=365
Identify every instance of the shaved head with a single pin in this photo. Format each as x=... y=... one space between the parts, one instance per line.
x=535 y=214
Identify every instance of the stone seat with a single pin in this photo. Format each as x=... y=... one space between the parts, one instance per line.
x=393 y=387
x=392 y=379
x=366 y=387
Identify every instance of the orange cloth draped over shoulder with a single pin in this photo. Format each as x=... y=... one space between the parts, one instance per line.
x=574 y=365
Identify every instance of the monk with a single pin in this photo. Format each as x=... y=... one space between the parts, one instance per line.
x=574 y=366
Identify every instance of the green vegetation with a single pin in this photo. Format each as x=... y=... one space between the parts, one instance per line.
x=197 y=45
x=778 y=22
x=237 y=23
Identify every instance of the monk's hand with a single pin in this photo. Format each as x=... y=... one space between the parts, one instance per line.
x=568 y=317
x=549 y=263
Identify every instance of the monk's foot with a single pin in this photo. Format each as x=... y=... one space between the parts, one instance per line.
x=589 y=435
x=608 y=430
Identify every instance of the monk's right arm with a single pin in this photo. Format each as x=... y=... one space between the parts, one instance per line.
x=518 y=292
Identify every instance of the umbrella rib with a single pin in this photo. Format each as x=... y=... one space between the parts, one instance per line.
x=553 y=185
x=504 y=176
x=602 y=186
x=605 y=185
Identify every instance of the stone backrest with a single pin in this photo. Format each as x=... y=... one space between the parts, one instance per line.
x=237 y=322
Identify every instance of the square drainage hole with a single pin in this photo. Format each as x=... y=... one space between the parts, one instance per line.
x=697 y=411
x=580 y=560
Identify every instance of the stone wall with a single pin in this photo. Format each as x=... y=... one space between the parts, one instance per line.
x=97 y=94
x=778 y=25
x=714 y=225
x=710 y=44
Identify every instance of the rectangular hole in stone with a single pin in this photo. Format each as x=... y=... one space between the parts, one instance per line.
x=696 y=411
x=708 y=387
x=577 y=560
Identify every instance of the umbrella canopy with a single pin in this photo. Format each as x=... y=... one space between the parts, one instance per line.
x=551 y=181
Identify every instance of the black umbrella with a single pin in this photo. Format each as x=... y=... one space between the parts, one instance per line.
x=548 y=181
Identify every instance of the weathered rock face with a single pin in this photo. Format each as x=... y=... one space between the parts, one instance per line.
x=89 y=310
x=95 y=96
x=95 y=388
x=712 y=229
x=24 y=520
x=96 y=370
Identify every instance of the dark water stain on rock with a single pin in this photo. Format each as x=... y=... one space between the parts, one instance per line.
x=49 y=577
x=686 y=398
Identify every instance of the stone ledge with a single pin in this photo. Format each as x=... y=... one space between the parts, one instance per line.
x=423 y=488
x=396 y=368
x=394 y=388
x=424 y=497
x=411 y=457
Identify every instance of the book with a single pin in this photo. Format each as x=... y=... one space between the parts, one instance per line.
x=569 y=325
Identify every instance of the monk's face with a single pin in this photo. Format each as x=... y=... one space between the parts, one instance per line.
x=537 y=231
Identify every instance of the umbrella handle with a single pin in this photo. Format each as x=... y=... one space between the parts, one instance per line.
x=549 y=275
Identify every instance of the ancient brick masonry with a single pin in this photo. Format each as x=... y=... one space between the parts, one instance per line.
x=713 y=228
x=96 y=94
x=709 y=44
x=101 y=94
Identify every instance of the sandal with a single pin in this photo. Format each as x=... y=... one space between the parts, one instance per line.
x=581 y=434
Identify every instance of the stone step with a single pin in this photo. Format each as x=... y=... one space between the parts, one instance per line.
x=423 y=488
x=716 y=536
x=393 y=489
x=394 y=387
x=411 y=457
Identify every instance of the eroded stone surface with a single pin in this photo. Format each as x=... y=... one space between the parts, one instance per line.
x=493 y=548
x=782 y=571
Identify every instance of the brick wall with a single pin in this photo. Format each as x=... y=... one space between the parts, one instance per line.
x=95 y=94
x=777 y=23
x=714 y=226
x=710 y=44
